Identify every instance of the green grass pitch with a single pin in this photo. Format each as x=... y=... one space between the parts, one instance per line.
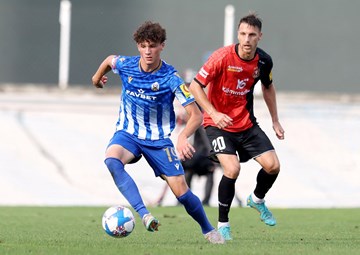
x=77 y=230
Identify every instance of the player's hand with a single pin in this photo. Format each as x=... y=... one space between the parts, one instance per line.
x=102 y=82
x=221 y=120
x=184 y=148
x=279 y=131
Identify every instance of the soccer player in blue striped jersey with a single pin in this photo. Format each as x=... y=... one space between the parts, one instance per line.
x=146 y=120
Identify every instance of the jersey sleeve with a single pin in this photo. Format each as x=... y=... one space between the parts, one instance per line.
x=209 y=70
x=183 y=94
x=181 y=91
x=117 y=63
x=266 y=74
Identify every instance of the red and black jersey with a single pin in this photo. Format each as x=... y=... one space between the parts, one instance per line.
x=230 y=81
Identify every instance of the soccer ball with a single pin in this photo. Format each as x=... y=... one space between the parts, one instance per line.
x=118 y=221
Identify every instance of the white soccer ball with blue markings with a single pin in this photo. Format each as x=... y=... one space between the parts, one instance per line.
x=118 y=221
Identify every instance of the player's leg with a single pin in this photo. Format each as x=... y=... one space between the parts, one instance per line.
x=208 y=187
x=261 y=149
x=224 y=147
x=268 y=174
x=193 y=207
x=190 y=201
x=189 y=174
x=166 y=164
x=205 y=167
x=226 y=191
x=116 y=158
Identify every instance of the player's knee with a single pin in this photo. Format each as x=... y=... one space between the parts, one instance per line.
x=273 y=168
x=114 y=165
x=232 y=172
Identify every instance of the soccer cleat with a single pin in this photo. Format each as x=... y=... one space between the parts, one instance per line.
x=225 y=232
x=214 y=237
x=265 y=215
x=150 y=222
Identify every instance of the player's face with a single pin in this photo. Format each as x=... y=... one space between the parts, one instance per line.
x=150 y=54
x=248 y=37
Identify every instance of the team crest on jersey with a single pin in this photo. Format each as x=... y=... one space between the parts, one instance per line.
x=155 y=86
x=185 y=90
x=256 y=72
x=130 y=79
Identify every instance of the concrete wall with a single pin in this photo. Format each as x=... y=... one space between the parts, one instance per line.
x=312 y=42
x=52 y=151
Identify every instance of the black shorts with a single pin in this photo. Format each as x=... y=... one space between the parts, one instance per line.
x=247 y=144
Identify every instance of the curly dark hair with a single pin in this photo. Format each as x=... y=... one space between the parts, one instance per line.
x=252 y=19
x=150 y=32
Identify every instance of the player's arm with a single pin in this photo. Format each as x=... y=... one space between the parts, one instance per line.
x=200 y=96
x=221 y=120
x=99 y=79
x=269 y=95
x=185 y=149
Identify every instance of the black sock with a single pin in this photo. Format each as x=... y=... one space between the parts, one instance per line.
x=226 y=194
x=264 y=183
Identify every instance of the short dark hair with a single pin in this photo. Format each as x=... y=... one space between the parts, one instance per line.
x=150 y=32
x=252 y=19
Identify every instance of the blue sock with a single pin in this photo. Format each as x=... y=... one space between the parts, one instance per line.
x=195 y=209
x=126 y=185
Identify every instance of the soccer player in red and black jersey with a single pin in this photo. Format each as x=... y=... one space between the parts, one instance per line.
x=230 y=75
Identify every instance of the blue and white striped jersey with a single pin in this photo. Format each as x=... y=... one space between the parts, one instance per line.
x=146 y=107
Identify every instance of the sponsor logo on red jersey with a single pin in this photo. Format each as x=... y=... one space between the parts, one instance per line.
x=237 y=69
x=203 y=73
